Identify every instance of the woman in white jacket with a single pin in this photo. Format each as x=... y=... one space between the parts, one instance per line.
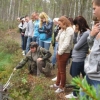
x=65 y=43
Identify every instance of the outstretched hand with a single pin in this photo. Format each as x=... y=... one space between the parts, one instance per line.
x=14 y=69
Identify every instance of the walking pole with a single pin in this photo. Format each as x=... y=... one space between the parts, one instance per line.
x=8 y=82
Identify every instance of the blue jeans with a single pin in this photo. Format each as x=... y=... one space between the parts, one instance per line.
x=94 y=83
x=76 y=69
x=29 y=40
x=54 y=54
x=44 y=44
x=35 y=39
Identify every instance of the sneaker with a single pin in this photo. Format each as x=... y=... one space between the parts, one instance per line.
x=23 y=51
x=54 y=79
x=70 y=96
x=23 y=54
x=54 y=86
x=59 y=90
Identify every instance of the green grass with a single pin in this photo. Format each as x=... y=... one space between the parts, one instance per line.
x=5 y=59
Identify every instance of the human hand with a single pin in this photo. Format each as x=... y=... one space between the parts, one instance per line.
x=76 y=30
x=95 y=29
x=22 y=33
x=14 y=69
x=39 y=59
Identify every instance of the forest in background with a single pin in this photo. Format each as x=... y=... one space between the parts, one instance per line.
x=11 y=9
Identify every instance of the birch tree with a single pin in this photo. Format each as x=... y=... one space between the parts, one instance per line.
x=11 y=9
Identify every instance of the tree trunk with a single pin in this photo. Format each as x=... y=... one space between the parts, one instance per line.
x=10 y=9
x=74 y=9
x=19 y=9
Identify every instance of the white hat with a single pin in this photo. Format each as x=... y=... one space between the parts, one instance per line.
x=55 y=19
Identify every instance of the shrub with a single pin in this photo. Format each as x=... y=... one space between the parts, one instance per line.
x=89 y=91
x=7 y=44
x=10 y=46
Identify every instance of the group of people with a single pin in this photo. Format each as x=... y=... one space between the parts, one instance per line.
x=36 y=32
x=38 y=28
x=69 y=37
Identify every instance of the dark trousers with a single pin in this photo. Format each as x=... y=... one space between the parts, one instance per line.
x=22 y=41
x=36 y=67
x=76 y=69
x=25 y=42
x=61 y=65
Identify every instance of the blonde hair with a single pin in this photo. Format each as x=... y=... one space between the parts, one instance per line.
x=43 y=15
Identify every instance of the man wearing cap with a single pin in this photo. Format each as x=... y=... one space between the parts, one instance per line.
x=36 y=58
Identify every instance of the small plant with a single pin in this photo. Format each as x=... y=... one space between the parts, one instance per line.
x=89 y=91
